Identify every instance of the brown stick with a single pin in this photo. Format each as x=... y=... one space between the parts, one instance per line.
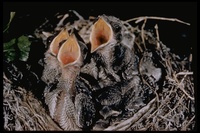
x=139 y=19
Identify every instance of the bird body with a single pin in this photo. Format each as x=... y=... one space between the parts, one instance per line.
x=105 y=73
x=111 y=65
x=61 y=101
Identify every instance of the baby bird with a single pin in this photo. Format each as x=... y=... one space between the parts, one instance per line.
x=112 y=58
x=52 y=70
x=112 y=62
x=61 y=100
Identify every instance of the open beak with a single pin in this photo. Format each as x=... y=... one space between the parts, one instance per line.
x=55 y=44
x=69 y=52
x=101 y=34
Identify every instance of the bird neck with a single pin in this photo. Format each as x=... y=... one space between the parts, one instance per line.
x=69 y=74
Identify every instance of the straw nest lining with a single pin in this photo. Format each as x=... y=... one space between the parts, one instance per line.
x=172 y=106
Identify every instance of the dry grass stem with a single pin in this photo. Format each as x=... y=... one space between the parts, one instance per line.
x=139 y=19
x=157 y=36
x=132 y=119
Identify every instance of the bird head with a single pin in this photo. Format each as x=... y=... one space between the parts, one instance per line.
x=55 y=44
x=73 y=51
x=106 y=30
x=52 y=70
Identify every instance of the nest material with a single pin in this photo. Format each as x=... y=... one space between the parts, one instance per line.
x=22 y=111
x=172 y=108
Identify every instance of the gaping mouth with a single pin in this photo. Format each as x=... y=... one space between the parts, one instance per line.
x=54 y=46
x=101 y=34
x=69 y=51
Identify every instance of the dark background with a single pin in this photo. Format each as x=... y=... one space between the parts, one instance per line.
x=180 y=37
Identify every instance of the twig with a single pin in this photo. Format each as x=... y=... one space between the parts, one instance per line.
x=142 y=33
x=141 y=50
x=6 y=79
x=157 y=36
x=77 y=14
x=184 y=73
x=12 y=14
x=184 y=127
x=190 y=58
x=139 y=19
x=181 y=88
x=142 y=118
x=132 y=119
x=180 y=100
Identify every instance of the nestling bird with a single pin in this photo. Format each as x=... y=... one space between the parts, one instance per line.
x=71 y=108
x=52 y=70
x=112 y=57
x=111 y=62
x=100 y=73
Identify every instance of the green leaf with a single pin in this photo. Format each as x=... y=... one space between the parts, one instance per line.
x=24 y=47
x=23 y=44
x=8 y=49
x=12 y=14
x=9 y=44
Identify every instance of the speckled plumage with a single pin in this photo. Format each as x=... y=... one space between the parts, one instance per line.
x=110 y=65
x=62 y=100
x=103 y=81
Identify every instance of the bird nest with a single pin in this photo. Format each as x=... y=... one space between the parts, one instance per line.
x=169 y=104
